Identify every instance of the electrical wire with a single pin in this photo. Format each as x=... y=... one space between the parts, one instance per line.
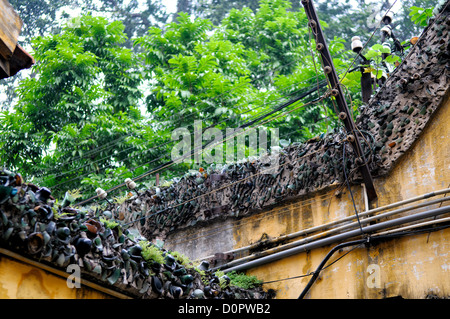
x=312 y=273
x=164 y=155
x=171 y=141
x=94 y=151
x=228 y=185
x=130 y=157
x=321 y=84
x=170 y=163
x=348 y=185
x=269 y=112
x=365 y=241
x=214 y=191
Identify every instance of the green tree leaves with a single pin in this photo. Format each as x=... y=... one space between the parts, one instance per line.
x=420 y=16
x=81 y=119
x=97 y=111
x=84 y=95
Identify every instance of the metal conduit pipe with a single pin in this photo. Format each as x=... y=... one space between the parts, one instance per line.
x=378 y=236
x=332 y=231
x=365 y=213
x=366 y=197
x=340 y=237
x=327 y=225
x=372 y=218
x=430 y=222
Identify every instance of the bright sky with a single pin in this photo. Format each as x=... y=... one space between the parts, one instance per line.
x=171 y=5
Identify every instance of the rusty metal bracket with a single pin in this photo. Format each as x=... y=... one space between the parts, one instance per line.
x=338 y=94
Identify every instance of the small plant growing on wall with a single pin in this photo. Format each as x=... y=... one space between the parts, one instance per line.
x=182 y=259
x=223 y=283
x=151 y=253
x=111 y=224
x=243 y=281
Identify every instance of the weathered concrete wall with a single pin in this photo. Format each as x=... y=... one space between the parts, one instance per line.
x=412 y=267
x=408 y=122
x=19 y=280
x=387 y=128
x=200 y=221
x=197 y=242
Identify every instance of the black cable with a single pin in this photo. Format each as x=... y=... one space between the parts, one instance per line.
x=322 y=83
x=99 y=149
x=168 y=142
x=289 y=278
x=163 y=210
x=192 y=152
x=189 y=115
x=349 y=188
x=322 y=264
x=310 y=274
x=360 y=242
x=282 y=106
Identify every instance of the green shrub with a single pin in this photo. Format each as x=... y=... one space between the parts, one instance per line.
x=244 y=281
x=151 y=252
x=111 y=224
x=182 y=259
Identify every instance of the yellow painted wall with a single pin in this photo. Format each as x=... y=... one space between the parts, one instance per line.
x=411 y=267
x=19 y=280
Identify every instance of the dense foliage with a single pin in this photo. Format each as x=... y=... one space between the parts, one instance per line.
x=104 y=98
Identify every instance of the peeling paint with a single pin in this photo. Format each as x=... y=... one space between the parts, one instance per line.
x=408 y=266
x=22 y=281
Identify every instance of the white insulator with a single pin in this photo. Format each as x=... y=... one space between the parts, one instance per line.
x=388 y=17
x=387 y=30
x=101 y=193
x=356 y=44
x=130 y=183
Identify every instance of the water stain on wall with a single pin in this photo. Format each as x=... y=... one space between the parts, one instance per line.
x=31 y=286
